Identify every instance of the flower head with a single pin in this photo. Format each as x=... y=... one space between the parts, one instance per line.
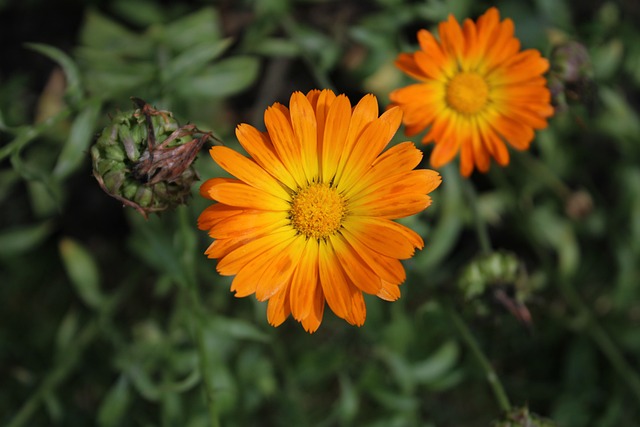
x=476 y=91
x=144 y=159
x=309 y=216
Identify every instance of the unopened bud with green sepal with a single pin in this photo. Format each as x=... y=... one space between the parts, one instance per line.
x=500 y=277
x=144 y=158
x=522 y=417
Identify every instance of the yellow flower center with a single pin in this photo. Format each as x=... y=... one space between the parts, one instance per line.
x=317 y=211
x=467 y=93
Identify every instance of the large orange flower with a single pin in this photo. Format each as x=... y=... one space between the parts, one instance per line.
x=476 y=90
x=309 y=217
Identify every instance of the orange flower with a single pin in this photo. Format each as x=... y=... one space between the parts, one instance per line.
x=476 y=90
x=309 y=217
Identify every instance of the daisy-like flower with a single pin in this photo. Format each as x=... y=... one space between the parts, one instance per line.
x=308 y=218
x=476 y=91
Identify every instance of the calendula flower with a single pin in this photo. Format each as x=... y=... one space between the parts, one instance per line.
x=476 y=91
x=309 y=216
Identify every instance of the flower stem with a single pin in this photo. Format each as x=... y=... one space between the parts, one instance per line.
x=480 y=225
x=544 y=174
x=490 y=373
x=58 y=375
x=601 y=338
x=196 y=316
x=485 y=245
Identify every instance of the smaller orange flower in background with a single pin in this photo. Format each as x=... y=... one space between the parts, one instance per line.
x=309 y=216
x=476 y=90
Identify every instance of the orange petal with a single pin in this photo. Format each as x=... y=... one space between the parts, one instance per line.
x=279 y=270
x=383 y=236
x=243 y=195
x=400 y=158
x=242 y=256
x=249 y=224
x=254 y=266
x=313 y=320
x=466 y=159
x=322 y=105
x=305 y=281
x=247 y=170
x=451 y=37
x=278 y=307
x=305 y=128
x=444 y=152
x=356 y=268
x=480 y=154
x=216 y=213
x=389 y=291
x=285 y=143
x=364 y=113
x=387 y=268
x=208 y=184
x=260 y=148
x=367 y=148
x=221 y=248
x=516 y=133
x=394 y=207
x=495 y=145
x=435 y=55
x=335 y=135
x=421 y=181
x=406 y=62
x=342 y=296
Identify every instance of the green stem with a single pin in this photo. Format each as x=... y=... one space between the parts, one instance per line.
x=543 y=173
x=602 y=339
x=26 y=134
x=56 y=377
x=480 y=225
x=490 y=373
x=196 y=315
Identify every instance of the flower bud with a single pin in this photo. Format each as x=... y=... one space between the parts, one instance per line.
x=497 y=277
x=144 y=158
x=570 y=77
x=521 y=417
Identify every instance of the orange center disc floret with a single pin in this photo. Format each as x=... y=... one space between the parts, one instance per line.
x=317 y=211
x=467 y=93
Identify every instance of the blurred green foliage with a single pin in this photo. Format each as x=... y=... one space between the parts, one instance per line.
x=111 y=320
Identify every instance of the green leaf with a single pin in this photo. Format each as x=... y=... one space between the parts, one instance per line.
x=349 y=401
x=273 y=46
x=222 y=79
x=140 y=12
x=200 y=27
x=67 y=332
x=18 y=240
x=438 y=364
x=449 y=224
x=108 y=36
x=8 y=179
x=107 y=84
x=238 y=329
x=114 y=405
x=194 y=59
x=80 y=137
x=82 y=271
x=70 y=68
x=607 y=59
x=143 y=383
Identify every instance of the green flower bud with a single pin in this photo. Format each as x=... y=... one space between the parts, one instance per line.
x=143 y=159
x=571 y=74
x=521 y=417
x=499 y=277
